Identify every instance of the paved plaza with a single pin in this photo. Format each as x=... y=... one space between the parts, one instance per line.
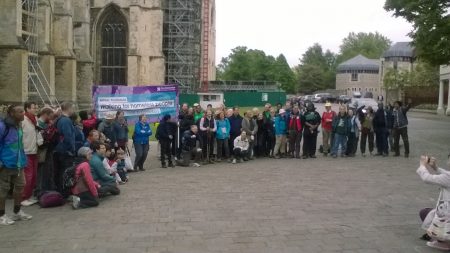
x=322 y=205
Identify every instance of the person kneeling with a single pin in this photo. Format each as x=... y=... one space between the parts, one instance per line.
x=240 y=150
x=107 y=182
x=85 y=188
x=189 y=148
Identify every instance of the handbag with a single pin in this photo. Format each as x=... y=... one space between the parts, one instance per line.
x=440 y=225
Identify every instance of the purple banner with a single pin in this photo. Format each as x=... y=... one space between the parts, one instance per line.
x=152 y=101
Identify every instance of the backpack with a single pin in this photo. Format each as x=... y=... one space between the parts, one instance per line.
x=51 y=134
x=69 y=179
x=51 y=199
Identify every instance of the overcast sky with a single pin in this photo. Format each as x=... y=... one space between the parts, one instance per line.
x=291 y=26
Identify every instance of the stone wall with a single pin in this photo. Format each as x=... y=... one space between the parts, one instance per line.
x=366 y=83
x=13 y=75
x=145 y=61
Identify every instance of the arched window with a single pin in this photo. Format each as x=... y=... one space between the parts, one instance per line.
x=113 y=49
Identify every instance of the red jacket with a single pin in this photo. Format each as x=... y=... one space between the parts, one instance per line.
x=295 y=123
x=327 y=120
x=90 y=123
x=84 y=180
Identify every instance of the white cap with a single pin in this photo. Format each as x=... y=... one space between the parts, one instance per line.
x=282 y=111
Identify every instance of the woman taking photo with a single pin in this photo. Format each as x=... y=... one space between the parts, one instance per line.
x=432 y=219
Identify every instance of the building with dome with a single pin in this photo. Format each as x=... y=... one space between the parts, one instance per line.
x=399 y=57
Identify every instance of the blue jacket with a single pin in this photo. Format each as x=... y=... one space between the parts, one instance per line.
x=142 y=133
x=235 y=125
x=223 y=129
x=280 y=125
x=12 y=154
x=66 y=132
x=98 y=171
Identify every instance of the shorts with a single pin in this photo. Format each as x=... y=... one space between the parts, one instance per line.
x=8 y=177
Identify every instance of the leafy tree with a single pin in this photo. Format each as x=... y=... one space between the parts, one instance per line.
x=370 y=45
x=422 y=75
x=317 y=70
x=284 y=74
x=396 y=79
x=254 y=65
x=431 y=27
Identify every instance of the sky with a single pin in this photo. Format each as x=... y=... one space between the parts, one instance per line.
x=289 y=27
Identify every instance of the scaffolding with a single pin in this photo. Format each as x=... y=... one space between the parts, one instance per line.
x=204 y=77
x=39 y=89
x=182 y=43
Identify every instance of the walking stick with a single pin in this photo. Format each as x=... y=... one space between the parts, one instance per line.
x=207 y=145
x=178 y=135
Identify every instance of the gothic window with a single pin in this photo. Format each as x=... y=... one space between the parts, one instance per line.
x=114 y=50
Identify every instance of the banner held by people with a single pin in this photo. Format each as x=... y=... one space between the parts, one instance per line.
x=153 y=101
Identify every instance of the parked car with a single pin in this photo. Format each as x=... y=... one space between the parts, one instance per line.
x=344 y=99
x=321 y=97
x=358 y=102
x=308 y=98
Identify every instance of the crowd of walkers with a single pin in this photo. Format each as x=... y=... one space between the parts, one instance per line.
x=51 y=155
x=78 y=156
x=277 y=132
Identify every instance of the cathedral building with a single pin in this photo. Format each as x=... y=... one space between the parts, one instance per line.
x=55 y=50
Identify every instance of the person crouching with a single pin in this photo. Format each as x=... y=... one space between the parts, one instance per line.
x=241 y=145
x=85 y=189
x=189 y=148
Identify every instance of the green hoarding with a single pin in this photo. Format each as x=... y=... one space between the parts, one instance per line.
x=242 y=98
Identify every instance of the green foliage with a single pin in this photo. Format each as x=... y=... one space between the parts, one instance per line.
x=317 y=70
x=396 y=79
x=422 y=75
x=431 y=27
x=254 y=65
x=370 y=45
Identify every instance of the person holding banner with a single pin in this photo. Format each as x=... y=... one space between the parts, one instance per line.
x=165 y=134
x=122 y=131
x=208 y=129
x=141 y=135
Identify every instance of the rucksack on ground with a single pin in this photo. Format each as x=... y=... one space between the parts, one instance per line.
x=51 y=199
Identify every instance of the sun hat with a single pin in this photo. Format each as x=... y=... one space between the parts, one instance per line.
x=110 y=115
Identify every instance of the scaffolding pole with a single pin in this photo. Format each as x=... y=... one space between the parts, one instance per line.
x=182 y=43
x=38 y=85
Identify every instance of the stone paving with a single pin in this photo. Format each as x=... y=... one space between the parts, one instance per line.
x=361 y=205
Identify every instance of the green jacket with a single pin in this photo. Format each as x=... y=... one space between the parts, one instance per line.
x=98 y=171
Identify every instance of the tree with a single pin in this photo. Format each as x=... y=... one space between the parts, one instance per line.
x=422 y=75
x=370 y=45
x=317 y=70
x=431 y=27
x=284 y=74
x=254 y=65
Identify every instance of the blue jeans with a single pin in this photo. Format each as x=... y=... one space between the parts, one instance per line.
x=339 y=140
x=141 y=155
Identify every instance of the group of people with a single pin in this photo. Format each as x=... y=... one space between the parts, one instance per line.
x=76 y=155
x=40 y=150
x=277 y=132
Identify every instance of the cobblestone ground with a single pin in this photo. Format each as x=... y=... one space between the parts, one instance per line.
x=324 y=205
